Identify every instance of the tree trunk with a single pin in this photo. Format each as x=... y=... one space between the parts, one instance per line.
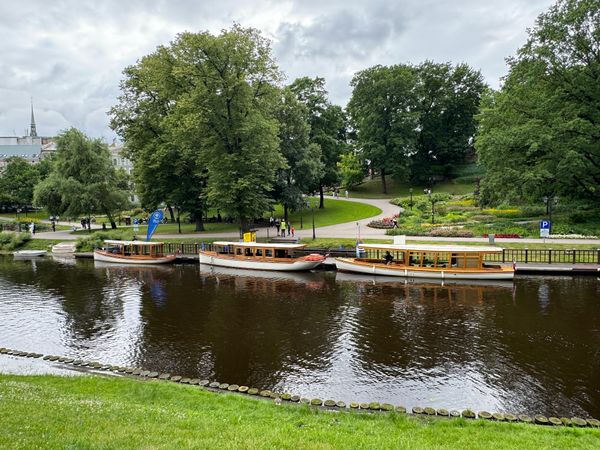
x=178 y=222
x=170 y=208
x=321 y=199
x=111 y=219
x=383 y=184
x=285 y=212
x=199 y=222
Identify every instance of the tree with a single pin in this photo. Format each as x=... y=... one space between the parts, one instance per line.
x=448 y=98
x=167 y=165
x=327 y=128
x=82 y=181
x=207 y=103
x=383 y=113
x=538 y=136
x=304 y=167
x=351 y=170
x=17 y=182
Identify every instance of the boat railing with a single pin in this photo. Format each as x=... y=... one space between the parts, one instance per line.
x=507 y=255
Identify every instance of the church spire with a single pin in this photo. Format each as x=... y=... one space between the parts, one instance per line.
x=33 y=131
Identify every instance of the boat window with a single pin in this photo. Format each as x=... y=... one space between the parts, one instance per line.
x=239 y=251
x=280 y=253
x=258 y=252
x=414 y=259
x=472 y=261
x=248 y=251
x=458 y=260
x=428 y=259
x=443 y=260
x=269 y=252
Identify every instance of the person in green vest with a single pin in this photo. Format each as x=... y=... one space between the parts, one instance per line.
x=283 y=225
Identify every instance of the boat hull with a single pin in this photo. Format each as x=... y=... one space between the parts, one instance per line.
x=103 y=256
x=348 y=265
x=237 y=263
x=29 y=253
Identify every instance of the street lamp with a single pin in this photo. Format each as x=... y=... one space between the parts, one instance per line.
x=549 y=201
x=432 y=200
x=410 y=190
x=313 y=219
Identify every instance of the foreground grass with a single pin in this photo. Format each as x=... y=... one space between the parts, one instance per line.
x=98 y=412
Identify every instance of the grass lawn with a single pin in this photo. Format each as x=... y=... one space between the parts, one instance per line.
x=335 y=211
x=372 y=189
x=102 y=412
x=172 y=228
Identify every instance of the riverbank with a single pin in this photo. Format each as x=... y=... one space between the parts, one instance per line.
x=53 y=412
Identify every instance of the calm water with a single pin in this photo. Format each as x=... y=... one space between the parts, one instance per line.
x=532 y=346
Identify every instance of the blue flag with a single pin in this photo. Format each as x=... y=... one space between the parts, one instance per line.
x=155 y=219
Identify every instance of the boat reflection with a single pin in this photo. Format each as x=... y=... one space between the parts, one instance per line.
x=345 y=277
x=314 y=279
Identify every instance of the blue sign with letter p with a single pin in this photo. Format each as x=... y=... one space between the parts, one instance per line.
x=544 y=224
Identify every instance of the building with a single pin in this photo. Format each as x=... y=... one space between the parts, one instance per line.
x=28 y=147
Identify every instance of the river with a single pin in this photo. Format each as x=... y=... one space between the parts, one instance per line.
x=529 y=346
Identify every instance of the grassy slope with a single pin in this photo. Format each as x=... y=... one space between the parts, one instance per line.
x=372 y=189
x=98 y=412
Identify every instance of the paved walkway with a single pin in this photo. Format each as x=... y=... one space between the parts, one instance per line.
x=351 y=230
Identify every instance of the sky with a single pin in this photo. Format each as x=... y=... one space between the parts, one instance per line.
x=68 y=55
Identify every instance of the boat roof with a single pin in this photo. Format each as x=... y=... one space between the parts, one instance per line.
x=261 y=245
x=132 y=242
x=434 y=248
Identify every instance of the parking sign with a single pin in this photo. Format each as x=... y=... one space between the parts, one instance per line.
x=545 y=226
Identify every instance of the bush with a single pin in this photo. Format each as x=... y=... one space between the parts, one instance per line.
x=450 y=232
x=95 y=240
x=11 y=241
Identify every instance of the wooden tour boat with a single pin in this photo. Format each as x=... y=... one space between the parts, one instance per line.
x=426 y=261
x=133 y=252
x=259 y=256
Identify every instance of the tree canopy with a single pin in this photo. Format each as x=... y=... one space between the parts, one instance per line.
x=82 y=180
x=538 y=136
x=203 y=110
x=17 y=182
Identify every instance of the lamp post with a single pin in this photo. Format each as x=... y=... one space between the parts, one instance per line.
x=410 y=190
x=428 y=192
x=313 y=219
x=549 y=201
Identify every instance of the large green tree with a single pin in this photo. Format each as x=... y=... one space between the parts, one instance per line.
x=206 y=104
x=83 y=180
x=539 y=135
x=327 y=128
x=304 y=168
x=17 y=182
x=448 y=98
x=383 y=113
x=167 y=164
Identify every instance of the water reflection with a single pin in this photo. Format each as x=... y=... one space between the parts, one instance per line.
x=531 y=347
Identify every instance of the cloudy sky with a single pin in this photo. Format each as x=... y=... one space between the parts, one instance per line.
x=68 y=55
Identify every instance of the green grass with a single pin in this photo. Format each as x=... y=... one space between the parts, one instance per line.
x=372 y=189
x=172 y=228
x=98 y=412
x=335 y=211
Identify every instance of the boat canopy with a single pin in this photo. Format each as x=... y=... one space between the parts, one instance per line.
x=432 y=248
x=140 y=243
x=261 y=245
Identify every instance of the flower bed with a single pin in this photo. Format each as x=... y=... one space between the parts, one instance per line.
x=505 y=236
x=383 y=224
x=571 y=236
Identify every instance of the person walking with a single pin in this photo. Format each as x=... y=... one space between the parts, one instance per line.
x=293 y=230
x=277 y=226
x=283 y=225
x=53 y=225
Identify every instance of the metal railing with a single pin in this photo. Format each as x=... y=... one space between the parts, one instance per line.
x=520 y=255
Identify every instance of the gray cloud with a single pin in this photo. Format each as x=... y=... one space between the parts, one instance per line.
x=68 y=55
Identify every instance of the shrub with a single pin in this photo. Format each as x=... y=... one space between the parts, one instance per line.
x=450 y=232
x=95 y=240
x=12 y=241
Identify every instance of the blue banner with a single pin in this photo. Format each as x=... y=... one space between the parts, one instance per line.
x=155 y=219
